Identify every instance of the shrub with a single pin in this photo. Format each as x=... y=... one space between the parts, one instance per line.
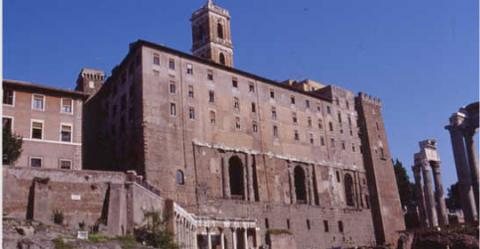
x=154 y=232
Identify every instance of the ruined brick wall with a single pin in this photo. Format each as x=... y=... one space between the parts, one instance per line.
x=81 y=196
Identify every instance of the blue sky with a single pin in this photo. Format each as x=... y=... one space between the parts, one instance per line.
x=419 y=57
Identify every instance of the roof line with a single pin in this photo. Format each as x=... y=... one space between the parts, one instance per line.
x=26 y=84
x=141 y=42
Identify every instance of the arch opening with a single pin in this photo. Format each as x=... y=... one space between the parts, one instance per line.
x=300 y=190
x=349 y=195
x=235 y=171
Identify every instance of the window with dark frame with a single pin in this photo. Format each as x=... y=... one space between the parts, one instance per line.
x=251 y=87
x=67 y=105
x=7 y=123
x=325 y=226
x=234 y=83
x=35 y=162
x=8 y=96
x=211 y=96
x=66 y=133
x=190 y=69
x=156 y=59
x=191 y=113
x=38 y=102
x=173 y=109
x=173 y=87
x=210 y=75
x=37 y=130
x=190 y=91
x=171 y=64
x=65 y=164
x=275 y=131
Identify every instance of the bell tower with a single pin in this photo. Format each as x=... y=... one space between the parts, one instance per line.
x=211 y=34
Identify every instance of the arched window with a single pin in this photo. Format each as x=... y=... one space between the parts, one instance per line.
x=221 y=57
x=300 y=191
x=220 y=30
x=180 y=177
x=235 y=171
x=348 y=181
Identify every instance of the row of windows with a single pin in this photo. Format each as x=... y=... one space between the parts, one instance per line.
x=38 y=101
x=37 y=162
x=326 y=227
x=37 y=129
x=251 y=86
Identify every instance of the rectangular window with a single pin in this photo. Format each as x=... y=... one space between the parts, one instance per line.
x=173 y=109
x=308 y=224
x=211 y=96
x=234 y=83
x=37 y=130
x=212 y=118
x=67 y=105
x=325 y=226
x=292 y=100
x=353 y=147
x=236 y=104
x=349 y=120
x=330 y=126
x=7 y=123
x=322 y=141
x=294 y=117
x=66 y=133
x=337 y=101
x=309 y=121
x=190 y=69
x=329 y=111
x=296 y=136
x=332 y=142
x=274 y=113
x=343 y=145
x=288 y=223
x=254 y=108
x=311 y=138
x=38 y=102
x=307 y=103
x=190 y=92
x=173 y=87
x=171 y=64
x=320 y=124
x=347 y=104
x=8 y=96
x=275 y=131
x=339 y=117
x=191 y=113
x=156 y=59
x=272 y=94
x=210 y=75
x=340 y=226
x=251 y=87
x=254 y=126
x=65 y=164
x=35 y=162
x=237 y=123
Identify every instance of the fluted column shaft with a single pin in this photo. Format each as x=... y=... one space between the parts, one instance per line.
x=429 y=196
x=467 y=198
x=439 y=195
x=420 y=195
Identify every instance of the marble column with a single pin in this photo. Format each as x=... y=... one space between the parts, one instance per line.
x=222 y=239
x=467 y=198
x=245 y=239
x=209 y=236
x=420 y=195
x=472 y=161
x=439 y=195
x=429 y=196
x=234 y=238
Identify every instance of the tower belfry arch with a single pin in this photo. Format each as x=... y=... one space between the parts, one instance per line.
x=211 y=34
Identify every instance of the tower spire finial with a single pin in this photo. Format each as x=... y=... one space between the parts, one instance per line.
x=210 y=2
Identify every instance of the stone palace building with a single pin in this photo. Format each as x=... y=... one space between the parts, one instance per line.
x=242 y=157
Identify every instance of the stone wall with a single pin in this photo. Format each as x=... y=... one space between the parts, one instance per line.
x=91 y=197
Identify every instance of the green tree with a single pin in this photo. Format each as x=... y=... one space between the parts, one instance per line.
x=453 y=198
x=405 y=187
x=12 y=147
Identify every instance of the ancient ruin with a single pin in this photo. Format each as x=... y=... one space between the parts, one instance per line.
x=432 y=207
x=463 y=127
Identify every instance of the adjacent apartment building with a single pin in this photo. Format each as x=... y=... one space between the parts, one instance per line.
x=50 y=122
x=294 y=155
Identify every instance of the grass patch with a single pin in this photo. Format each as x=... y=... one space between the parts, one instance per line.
x=98 y=238
x=59 y=244
x=128 y=241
